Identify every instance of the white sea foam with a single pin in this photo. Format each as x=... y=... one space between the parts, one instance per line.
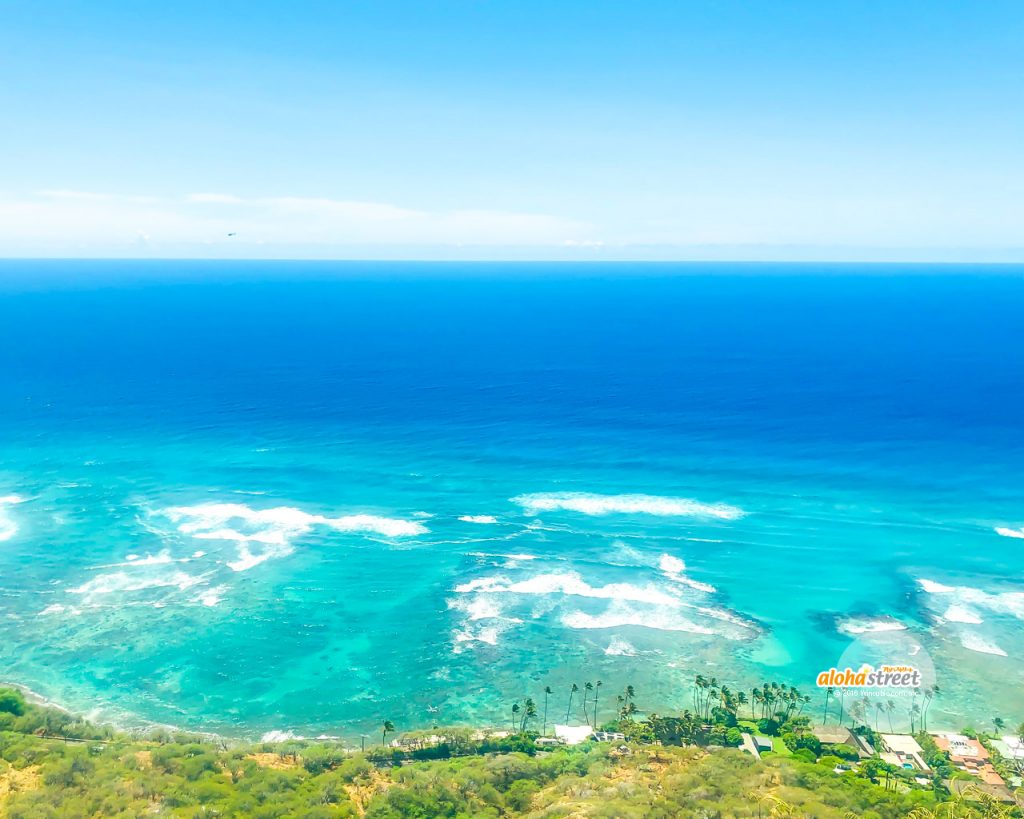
x=568 y=583
x=211 y=597
x=588 y=503
x=8 y=528
x=620 y=648
x=1007 y=532
x=478 y=519
x=515 y=556
x=958 y=613
x=932 y=587
x=273 y=530
x=856 y=626
x=975 y=642
x=123 y=582
x=619 y=615
x=1007 y=603
x=671 y=565
x=279 y=736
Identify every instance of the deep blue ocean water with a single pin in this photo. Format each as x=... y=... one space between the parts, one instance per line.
x=304 y=497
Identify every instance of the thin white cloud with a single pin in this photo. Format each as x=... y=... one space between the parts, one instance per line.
x=214 y=198
x=86 y=218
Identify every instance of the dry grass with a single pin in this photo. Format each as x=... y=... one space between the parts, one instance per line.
x=277 y=762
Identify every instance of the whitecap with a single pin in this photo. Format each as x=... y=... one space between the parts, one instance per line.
x=856 y=626
x=211 y=597
x=8 y=528
x=568 y=583
x=619 y=615
x=273 y=530
x=932 y=587
x=975 y=642
x=1007 y=603
x=1007 y=532
x=589 y=503
x=958 y=613
x=620 y=648
x=478 y=519
x=123 y=582
x=279 y=736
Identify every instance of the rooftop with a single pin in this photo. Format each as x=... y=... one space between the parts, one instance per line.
x=901 y=743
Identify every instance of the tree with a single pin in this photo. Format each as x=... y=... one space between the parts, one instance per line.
x=587 y=688
x=597 y=689
x=529 y=712
x=998 y=723
x=389 y=728
x=11 y=702
x=828 y=693
x=547 y=693
x=572 y=691
x=515 y=711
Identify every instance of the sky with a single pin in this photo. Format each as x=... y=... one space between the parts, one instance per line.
x=489 y=129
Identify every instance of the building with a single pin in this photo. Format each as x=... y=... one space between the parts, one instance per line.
x=573 y=734
x=903 y=751
x=969 y=756
x=838 y=735
x=1009 y=747
x=608 y=736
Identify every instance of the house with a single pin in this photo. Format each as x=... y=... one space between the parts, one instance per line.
x=547 y=742
x=1009 y=747
x=838 y=735
x=749 y=745
x=608 y=736
x=970 y=756
x=573 y=734
x=903 y=751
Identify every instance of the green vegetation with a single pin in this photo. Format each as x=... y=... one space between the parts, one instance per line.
x=55 y=765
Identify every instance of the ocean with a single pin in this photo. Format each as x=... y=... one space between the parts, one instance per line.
x=300 y=498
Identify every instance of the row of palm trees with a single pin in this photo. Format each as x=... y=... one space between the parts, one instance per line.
x=770 y=700
x=861 y=709
x=523 y=714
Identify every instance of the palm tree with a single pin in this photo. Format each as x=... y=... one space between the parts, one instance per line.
x=879 y=709
x=890 y=708
x=741 y=700
x=529 y=712
x=572 y=691
x=915 y=709
x=389 y=727
x=842 y=702
x=924 y=712
x=998 y=723
x=515 y=710
x=587 y=688
x=597 y=688
x=828 y=693
x=547 y=693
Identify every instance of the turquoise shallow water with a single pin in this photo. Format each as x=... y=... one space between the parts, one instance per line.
x=251 y=498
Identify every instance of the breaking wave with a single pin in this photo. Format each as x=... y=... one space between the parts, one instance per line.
x=588 y=503
x=8 y=528
x=263 y=534
x=856 y=626
x=478 y=519
x=667 y=601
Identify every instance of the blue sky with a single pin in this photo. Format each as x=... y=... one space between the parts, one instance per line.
x=472 y=129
